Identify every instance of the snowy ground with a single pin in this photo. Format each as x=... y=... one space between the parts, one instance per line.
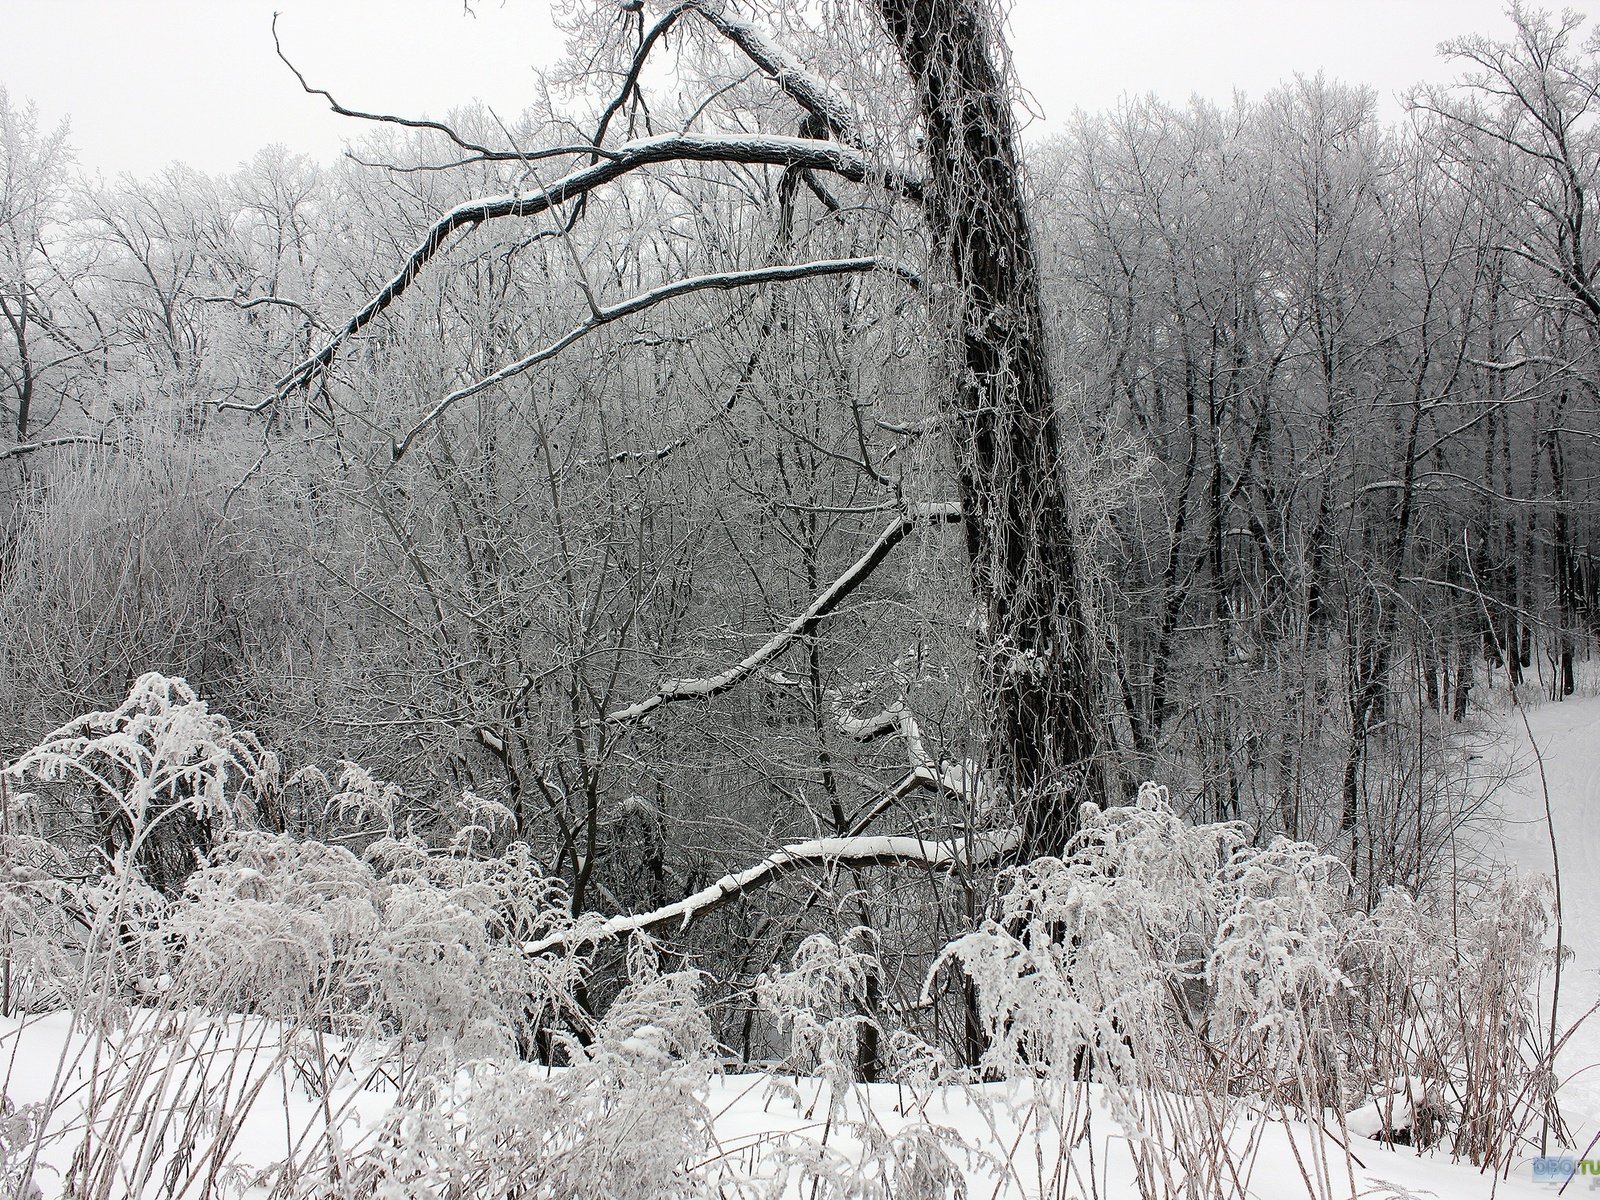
x=261 y=1105
x=781 y=1132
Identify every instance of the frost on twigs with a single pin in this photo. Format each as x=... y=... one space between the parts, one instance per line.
x=36 y=927
x=157 y=777
x=627 y=1117
x=1165 y=959
x=406 y=940
x=402 y=941
x=161 y=747
x=823 y=1003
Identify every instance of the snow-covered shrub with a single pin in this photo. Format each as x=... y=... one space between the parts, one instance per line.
x=1488 y=1026
x=1178 y=965
x=447 y=958
x=627 y=1119
x=19 y=1132
x=272 y=925
x=37 y=935
x=71 y=940
x=1084 y=953
x=1196 y=974
x=155 y=780
x=1278 y=991
x=821 y=1002
x=126 y=805
x=1459 y=1052
x=405 y=941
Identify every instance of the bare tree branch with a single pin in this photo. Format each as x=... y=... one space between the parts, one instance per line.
x=86 y=439
x=480 y=153
x=244 y=304
x=837 y=592
x=763 y=149
x=605 y=314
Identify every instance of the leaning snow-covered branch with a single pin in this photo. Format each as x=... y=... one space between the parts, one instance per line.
x=965 y=778
x=605 y=314
x=866 y=729
x=756 y=149
x=837 y=592
x=943 y=854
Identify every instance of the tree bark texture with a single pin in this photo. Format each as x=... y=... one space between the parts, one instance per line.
x=1038 y=673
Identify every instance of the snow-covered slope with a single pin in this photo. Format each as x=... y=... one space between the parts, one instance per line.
x=780 y=1137
x=1567 y=735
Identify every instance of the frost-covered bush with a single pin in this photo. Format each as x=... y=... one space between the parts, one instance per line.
x=404 y=941
x=154 y=780
x=1278 y=994
x=1460 y=1054
x=1151 y=946
x=627 y=1118
x=19 y=1131
x=821 y=1002
x=273 y=925
x=1198 y=974
x=1204 y=983
x=36 y=932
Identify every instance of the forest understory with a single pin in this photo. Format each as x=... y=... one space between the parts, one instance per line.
x=747 y=632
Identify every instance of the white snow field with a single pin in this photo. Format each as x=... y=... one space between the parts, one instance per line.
x=771 y=1135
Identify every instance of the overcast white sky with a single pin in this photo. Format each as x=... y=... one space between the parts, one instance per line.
x=147 y=82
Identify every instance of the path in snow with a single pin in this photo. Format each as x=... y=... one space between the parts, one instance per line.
x=1567 y=734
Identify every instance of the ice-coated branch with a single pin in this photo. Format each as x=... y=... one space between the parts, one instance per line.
x=943 y=854
x=759 y=149
x=85 y=439
x=605 y=314
x=835 y=594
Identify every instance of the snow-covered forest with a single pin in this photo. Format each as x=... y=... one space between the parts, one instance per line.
x=744 y=632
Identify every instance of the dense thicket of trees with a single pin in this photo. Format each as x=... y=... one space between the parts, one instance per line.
x=631 y=503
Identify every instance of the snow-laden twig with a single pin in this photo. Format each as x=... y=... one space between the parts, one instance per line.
x=605 y=314
x=837 y=592
x=941 y=854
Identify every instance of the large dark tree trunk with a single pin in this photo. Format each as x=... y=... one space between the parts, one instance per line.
x=1039 y=658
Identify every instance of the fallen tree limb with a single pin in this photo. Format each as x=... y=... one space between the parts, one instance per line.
x=944 y=854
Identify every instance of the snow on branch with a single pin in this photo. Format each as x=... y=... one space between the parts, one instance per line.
x=761 y=149
x=835 y=594
x=963 y=778
x=87 y=439
x=944 y=854
x=605 y=314
x=801 y=85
